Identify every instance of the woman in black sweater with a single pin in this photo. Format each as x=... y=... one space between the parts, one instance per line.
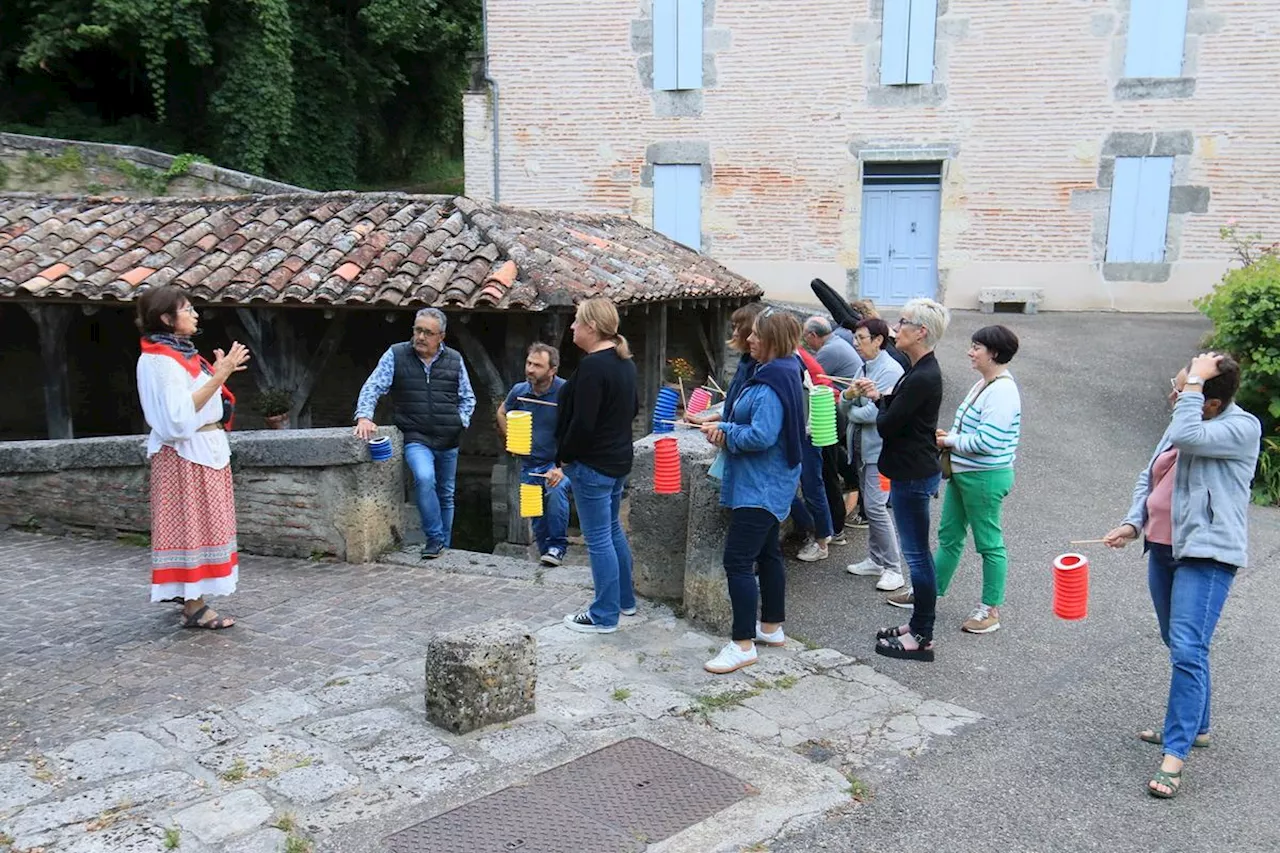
x=593 y=449
x=908 y=423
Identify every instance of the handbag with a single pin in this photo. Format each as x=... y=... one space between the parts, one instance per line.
x=944 y=458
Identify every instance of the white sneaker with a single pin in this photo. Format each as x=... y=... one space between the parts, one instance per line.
x=812 y=552
x=890 y=579
x=628 y=611
x=839 y=539
x=777 y=638
x=867 y=567
x=731 y=659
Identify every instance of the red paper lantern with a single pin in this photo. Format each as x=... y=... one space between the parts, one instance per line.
x=1071 y=587
x=666 y=467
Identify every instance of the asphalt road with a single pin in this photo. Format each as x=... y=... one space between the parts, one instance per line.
x=1055 y=764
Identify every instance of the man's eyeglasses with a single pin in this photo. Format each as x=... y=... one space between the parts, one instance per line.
x=425 y=333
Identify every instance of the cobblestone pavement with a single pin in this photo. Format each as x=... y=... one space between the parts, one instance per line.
x=302 y=728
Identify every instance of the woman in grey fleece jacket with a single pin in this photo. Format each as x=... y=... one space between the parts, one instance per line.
x=1191 y=506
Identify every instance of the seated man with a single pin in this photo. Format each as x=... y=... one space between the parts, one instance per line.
x=542 y=384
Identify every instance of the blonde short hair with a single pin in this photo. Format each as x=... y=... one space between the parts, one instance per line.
x=778 y=331
x=602 y=315
x=932 y=316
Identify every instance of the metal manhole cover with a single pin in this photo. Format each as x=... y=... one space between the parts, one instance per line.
x=614 y=800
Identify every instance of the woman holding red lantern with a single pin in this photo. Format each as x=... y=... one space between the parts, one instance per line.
x=762 y=436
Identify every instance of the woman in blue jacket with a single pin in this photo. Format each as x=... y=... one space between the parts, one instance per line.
x=761 y=436
x=1191 y=506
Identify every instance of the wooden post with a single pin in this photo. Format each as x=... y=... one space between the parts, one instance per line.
x=655 y=360
x=52 y=322
x=520 y=333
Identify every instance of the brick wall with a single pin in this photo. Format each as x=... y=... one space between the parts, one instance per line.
x=1026 y=98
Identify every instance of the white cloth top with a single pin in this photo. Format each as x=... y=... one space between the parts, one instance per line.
x=165 y=389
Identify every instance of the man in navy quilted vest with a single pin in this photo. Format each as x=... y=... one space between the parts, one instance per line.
x=433 y=402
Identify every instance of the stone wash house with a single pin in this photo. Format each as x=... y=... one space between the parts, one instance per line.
x=318 y=285
x=1090 y=149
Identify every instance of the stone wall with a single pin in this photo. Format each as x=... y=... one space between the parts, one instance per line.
x=38 y=163
x=299 y=493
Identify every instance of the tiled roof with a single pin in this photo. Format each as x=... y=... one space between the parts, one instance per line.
x=343 y=249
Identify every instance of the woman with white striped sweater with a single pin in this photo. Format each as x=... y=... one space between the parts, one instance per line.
x=982 y=445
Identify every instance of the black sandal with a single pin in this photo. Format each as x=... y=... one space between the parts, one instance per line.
x=891 y=647
x=890 y=633
x=217 y=623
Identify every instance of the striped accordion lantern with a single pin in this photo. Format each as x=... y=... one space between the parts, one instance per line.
x=822 y=417
x=530 y=500
x=666 y=467
x=520 y=433
x=699 y=400
x=664 y=409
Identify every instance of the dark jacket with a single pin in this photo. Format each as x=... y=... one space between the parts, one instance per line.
x=597 y=405
x=908 y=423
x=427 y=409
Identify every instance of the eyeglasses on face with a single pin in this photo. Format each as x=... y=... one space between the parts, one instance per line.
x=903 y=321
x=862 y=338
x=188 y=309
x=419 y=332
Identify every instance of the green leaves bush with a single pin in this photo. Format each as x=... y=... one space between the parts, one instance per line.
x=1245 y=310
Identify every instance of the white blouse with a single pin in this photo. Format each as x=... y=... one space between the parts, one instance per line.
x=165 y=389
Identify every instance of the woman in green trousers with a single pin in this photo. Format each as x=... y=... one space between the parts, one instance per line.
x=981 y=447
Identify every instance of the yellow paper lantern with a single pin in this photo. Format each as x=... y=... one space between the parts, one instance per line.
x=520 y=433
x=530 y=501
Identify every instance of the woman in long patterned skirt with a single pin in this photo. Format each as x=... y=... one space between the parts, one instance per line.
x=188 y=407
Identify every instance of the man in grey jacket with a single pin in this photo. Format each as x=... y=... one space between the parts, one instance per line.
x=1191 y=506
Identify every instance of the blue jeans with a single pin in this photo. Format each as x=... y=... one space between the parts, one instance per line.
x=549 y=528
x=753 y=539
x=911 y=514
x=812 y=514
x=598 y=498
x=434 y=475
x=1188 y=596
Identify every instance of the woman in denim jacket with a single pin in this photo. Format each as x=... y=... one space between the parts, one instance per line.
x=762 y=438
x=1191 y=506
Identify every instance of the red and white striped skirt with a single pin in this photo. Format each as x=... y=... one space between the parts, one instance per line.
x=193 y=529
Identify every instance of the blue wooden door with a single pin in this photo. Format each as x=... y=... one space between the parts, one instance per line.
x=899 y=244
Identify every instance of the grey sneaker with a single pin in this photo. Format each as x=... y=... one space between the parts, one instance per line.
x=812 y=552
x=838 y=539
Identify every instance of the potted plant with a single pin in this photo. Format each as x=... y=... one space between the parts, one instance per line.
x=274 y=405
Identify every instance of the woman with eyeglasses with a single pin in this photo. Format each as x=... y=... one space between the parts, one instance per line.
x=907 y=420
x=741 y=323
x=188 y=407
x=884 y=559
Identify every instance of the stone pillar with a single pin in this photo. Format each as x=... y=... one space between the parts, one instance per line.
x=706 y=592
x=480 y=675
x=660 y=523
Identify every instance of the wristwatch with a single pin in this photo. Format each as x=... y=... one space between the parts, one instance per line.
x=1194 y=380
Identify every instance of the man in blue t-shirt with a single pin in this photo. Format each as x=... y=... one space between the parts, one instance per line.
x=542 y=384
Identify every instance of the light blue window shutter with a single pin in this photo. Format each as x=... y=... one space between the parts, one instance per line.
x=1157 y=31
x=689 y=206
x=664 y=200
x=1152 y=216
x=1124 y=209
x=689 y=44
x=665 y=41
x=893 y=42
x=923 y=22
x=1139 y=209
x=677 y=203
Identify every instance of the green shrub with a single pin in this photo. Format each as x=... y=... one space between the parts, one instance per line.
x=1245 y=310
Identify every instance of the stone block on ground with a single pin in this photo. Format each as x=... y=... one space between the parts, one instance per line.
x=706 y=592
x=660 y=523
x=480 y=675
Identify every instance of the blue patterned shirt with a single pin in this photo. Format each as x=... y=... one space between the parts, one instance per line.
x=379 y=383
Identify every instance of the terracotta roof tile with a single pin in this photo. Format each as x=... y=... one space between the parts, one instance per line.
x=343 y=248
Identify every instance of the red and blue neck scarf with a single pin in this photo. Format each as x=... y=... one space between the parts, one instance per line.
x=184 y=352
